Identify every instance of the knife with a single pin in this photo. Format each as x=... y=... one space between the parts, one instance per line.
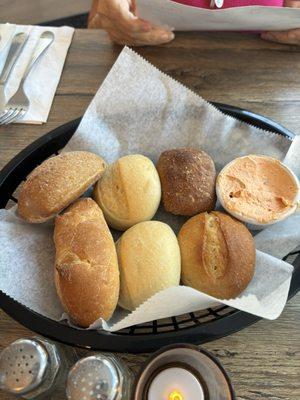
x=15 y=50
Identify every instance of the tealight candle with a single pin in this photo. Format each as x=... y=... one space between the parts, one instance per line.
x=182 y=372
x=175 y=384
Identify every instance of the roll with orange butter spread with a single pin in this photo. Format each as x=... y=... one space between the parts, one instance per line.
x=258 y=189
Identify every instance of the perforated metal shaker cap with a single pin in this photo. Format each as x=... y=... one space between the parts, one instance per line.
x=22 y=366
x=94 y=378
x=28 y=367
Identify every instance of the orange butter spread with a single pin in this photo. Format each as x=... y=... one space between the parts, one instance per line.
x=258 y=188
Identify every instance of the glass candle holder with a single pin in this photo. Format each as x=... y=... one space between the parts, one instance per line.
x=183 y=372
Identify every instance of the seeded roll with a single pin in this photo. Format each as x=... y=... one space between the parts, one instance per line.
x=217 y=255
x=188 y=181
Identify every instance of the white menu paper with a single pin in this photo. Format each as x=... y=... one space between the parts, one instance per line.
x=188 y=18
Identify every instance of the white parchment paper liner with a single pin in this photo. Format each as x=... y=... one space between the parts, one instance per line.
x=138 y=109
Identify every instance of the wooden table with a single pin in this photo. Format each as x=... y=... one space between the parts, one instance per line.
x=38 y=11
x=238 y=69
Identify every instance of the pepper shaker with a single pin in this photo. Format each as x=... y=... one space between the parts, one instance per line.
x=99 y=377
x=35 y=368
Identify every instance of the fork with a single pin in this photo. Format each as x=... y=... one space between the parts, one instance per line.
x=16 y=47
x=19 y=103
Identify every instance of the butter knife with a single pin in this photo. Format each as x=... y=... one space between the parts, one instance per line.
x=17 y=44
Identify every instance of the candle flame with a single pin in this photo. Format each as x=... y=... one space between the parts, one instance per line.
x=175 y=396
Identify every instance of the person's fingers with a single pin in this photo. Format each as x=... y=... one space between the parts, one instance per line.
x=118 y=36
x=118 y=39
x=292 y=3
x=121 y=13
x=95 y=22
x=127 y=21
x=113 y=30
x=100 y=21
x=133 y=7
x=93 y=11
x=124 y=27
x=285 y=37
x=132 y=24
x=154 y=37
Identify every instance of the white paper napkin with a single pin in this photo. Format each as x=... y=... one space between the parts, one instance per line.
x=188 y=18
x=42 y=82
x=139 y=109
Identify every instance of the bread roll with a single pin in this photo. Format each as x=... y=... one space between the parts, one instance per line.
x=86 y=266
x=129 y=191
x=149 y=261
x=56 y=183
x=188 y=181
x=217 y=253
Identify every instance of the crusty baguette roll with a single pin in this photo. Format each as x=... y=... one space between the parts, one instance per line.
x=86 y=266
x=56 y=183
x=217 y=253
x=129 y=191
x=149 y=261
x=188 y=181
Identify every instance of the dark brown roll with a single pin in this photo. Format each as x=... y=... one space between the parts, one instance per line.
x=188 y=181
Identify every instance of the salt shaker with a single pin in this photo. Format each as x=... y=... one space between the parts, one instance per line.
x=99 y=377
x=35 y=368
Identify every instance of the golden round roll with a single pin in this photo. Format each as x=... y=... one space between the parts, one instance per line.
x=56 y=183
x=217 y=254
x=86 y=264
x=149 y=261
x=129 y=191
x=188 y=179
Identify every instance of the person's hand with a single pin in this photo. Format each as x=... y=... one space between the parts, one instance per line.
x=118 y=18
x=287 y=37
